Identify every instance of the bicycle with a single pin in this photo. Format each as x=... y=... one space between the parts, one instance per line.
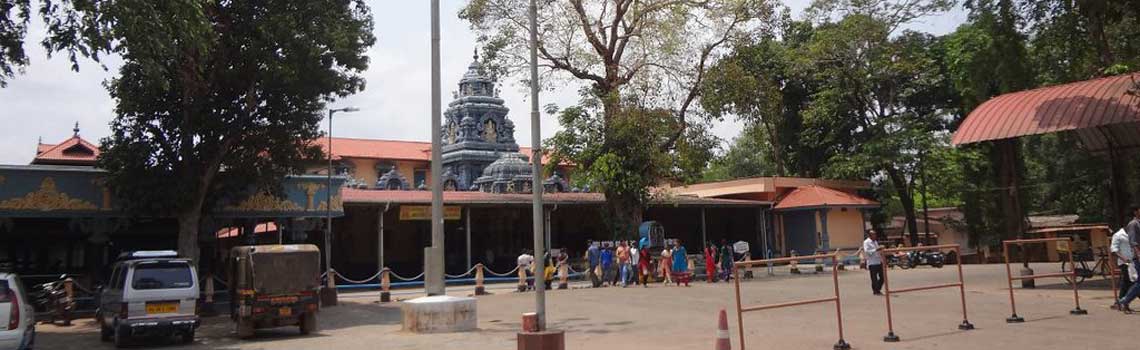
x=1080 y=264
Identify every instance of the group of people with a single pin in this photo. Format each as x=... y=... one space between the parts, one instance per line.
x=718 y=262
x=527 y=267
x=630 y=262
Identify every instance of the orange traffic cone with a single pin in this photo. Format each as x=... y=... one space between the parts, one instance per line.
x=722 y=342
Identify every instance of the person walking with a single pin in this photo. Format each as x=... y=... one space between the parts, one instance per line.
x=666 y=263
x=1122 y=250
x=594 y=259
x=643 y=266
x=623 y=263
x=874 y=261
x=726 y=260
x=680 y=264
x=608 y=266
x=634 y=259
x=1132 y=230
x=524 y=262
x=710 y=262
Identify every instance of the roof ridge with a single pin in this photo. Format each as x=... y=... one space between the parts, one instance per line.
x=1087 y=81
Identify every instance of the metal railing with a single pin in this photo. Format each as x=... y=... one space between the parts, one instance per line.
x=961 y=284
x=1072 y=276
x=741 y=309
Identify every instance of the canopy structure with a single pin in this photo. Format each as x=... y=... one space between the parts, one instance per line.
x=1104 y=113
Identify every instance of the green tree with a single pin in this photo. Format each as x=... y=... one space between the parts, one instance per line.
x=886 y=94
x=214 y=98
x=647 y=56
x=747 y=156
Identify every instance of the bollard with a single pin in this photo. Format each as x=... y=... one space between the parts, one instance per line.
x=479 y=290
x=328 y=295
x=563 y=276
x=385 y=286
x=794 y=264
x=208 y=304
x=68 y=301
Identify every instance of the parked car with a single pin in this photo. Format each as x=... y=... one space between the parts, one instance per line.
x=274 y=286
x=17 y=316
x=151 y=294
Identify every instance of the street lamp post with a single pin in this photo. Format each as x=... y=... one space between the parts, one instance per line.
x=536 y=177
x=329 y=295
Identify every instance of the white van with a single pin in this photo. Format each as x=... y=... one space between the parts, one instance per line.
x=17 y=316
x=150 y=294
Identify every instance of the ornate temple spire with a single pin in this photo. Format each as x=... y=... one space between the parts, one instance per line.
x=76 y=130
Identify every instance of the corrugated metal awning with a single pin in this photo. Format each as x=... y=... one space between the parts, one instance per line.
x=1104 y=112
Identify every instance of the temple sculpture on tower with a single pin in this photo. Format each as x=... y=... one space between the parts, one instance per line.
x=479 y=149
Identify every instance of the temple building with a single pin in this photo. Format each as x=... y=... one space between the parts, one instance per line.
x=381 y=204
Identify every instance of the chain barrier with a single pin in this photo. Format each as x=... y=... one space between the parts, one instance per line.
x=346 y=279
x=402 y=278
x=509 y=273
x=462 y=274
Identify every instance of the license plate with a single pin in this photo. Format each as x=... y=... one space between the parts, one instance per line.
x=161 y=308
x=285 y=311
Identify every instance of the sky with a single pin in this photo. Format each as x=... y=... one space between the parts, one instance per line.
x=49 y=98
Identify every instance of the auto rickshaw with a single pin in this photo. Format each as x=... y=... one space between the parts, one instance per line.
x=274 y=286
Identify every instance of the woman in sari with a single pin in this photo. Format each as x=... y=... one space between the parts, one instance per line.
x=680 y=264
x=710 y=263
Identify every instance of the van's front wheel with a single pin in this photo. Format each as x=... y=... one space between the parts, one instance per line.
x=308 y=323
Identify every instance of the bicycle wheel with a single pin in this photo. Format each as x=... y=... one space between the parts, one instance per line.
x=1082 y=271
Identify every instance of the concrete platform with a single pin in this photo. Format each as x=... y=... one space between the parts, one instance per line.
x=439 y=314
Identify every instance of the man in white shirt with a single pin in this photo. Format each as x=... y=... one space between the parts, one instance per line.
x=1122 y=250
x=874 y=261
x=524 y=262
x=634 y=259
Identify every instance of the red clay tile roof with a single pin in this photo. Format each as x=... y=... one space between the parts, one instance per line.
x=388 y=149
x=813 y=196
x=73 y=151
x=1102 y=111
x=359 y=196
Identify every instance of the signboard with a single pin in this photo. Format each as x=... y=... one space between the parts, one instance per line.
x=740 y=247
x=423 y=212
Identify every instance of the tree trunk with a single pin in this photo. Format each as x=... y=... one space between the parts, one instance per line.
x=188 y=223
x=1009 y=177
x=907 y=201
x=625 y=214
x=774 y=142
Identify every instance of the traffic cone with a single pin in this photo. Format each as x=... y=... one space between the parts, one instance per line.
x=722 y=341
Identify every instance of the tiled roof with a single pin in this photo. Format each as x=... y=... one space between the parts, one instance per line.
x=387 y=149
x=359 y=196
x=73 y=151
x=813 y=196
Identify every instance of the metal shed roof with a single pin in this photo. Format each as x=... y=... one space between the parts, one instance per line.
x=1104 y=112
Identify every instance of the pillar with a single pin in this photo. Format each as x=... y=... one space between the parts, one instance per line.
x=826 y=239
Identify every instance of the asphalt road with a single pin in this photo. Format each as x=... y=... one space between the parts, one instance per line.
x=662 y=317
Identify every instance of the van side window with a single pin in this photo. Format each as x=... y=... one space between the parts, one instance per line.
x=120 y=277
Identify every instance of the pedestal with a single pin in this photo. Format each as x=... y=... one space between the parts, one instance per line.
x=439 y=314
x=1027 y=283
x=328 y=296
x=545 y=340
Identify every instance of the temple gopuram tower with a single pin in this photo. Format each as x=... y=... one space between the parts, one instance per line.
x=476 y=130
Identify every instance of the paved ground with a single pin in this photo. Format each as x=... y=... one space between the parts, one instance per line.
x=685 y=318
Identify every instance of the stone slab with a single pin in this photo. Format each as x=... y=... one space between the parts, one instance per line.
x=439 y=314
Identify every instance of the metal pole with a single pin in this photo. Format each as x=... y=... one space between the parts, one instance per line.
x=329 y=292
x=704 y=234
x=434 y=280
x=841 y=344
x=380 y=258
x=467 y=229
x=536 y=174
x=962 y=289
x=891 y=337
x=1009 y=277
x=739 y=312
x=925 y=210
x=1073 y=281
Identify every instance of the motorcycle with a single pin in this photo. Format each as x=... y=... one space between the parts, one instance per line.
x=53 y=302
x=926 y=257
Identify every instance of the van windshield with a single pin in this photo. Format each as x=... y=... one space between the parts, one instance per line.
x=162 y=275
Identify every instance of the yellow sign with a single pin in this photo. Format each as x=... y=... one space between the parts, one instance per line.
x=423 y=212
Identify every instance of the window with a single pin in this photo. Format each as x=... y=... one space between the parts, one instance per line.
x=419 y=178
x=162 y=275
x=5 y=293
x=117 y=278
